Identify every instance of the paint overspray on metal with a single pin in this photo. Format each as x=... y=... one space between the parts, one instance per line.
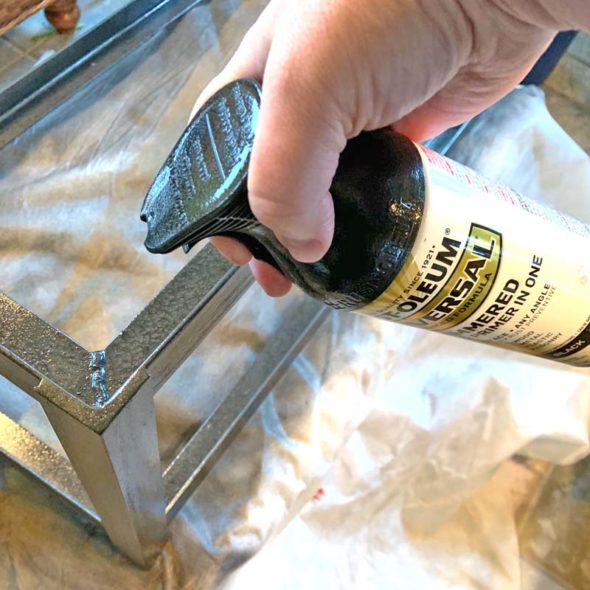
x=98 y=376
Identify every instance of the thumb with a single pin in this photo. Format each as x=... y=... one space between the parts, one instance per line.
x=298 y=142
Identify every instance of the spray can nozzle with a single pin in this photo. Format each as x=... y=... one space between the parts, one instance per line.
x=200 y=190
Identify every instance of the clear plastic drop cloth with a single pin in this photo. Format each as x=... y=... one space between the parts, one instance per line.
x=374 y=462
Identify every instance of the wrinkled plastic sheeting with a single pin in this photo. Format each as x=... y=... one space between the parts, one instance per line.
x=372 y=462
x=411 y=497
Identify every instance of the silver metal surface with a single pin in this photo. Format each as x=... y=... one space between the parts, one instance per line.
x=100 y=403
x=120 y=470
x=28 y=453
x=92 y=386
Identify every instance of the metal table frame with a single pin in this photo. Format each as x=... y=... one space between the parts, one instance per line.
x=100 y=403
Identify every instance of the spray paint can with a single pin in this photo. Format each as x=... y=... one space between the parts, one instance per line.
x=419 y=239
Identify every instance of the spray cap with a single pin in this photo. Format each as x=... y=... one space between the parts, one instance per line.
x=205 y=175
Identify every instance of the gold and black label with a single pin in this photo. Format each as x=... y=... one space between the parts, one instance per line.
x=491 y=266
x=448 y=286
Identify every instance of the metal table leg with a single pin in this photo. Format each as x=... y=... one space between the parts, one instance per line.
x=120 y=470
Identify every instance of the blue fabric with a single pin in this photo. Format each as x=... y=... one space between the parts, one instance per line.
x=549 y=59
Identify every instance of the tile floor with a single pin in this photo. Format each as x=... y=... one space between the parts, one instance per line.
x=34 y=40
x=567 y=91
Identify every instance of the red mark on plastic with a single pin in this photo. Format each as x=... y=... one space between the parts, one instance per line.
x=319 y=494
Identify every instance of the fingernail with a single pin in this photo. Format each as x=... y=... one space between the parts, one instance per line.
x=240 y=259
x=304 y=250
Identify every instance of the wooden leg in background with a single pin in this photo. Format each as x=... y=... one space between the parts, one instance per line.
x=63 y=15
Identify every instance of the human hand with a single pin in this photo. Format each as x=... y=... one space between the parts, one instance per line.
x=331 y=69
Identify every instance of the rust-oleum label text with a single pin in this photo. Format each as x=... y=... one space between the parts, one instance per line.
x=492 y=266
